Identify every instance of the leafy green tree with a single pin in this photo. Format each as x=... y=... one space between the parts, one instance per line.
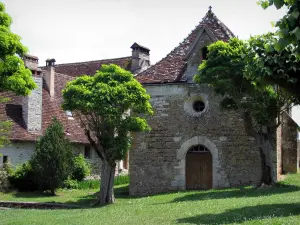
x=274 y=67
x=289 y=25
x=52 y=159
x=282 y=50
x=13 y=74
x=228 y=69
x=103 y=103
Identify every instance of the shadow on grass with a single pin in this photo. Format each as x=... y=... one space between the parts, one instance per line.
x=244 y=214
x=238 y=193
x=88 y=200
x=32 y=194
x=121 y=192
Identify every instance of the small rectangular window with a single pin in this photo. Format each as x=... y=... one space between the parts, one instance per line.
x=87 y=152
x=5 y=159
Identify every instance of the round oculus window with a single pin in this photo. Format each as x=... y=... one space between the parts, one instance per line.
x=198 y=106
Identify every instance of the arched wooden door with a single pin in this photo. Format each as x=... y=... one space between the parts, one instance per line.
x=198 y=168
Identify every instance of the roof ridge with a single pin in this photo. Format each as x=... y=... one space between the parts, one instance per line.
x=223 y=26
x=91 y=61
x=172 y=65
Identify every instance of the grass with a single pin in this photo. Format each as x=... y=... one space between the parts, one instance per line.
x=277 y=205
x=95 y=184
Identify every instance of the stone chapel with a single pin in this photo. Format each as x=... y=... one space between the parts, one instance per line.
x=193 y=144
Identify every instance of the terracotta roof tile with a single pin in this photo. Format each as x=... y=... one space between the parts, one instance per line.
x=90 y=67
x=172 y=67
x=12 y=111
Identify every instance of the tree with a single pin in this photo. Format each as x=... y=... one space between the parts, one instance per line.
x=52 y=159
x=228 y=69
x=103 y=103
x=274 y=67
x=289 y=25
x=283 y=50
x=13 y=74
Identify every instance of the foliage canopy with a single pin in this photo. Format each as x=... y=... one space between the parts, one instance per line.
x=238 y=70
x=13 y=74
x=289 y=25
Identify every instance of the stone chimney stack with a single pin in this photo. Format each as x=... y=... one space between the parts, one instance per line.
x=49 y=76
x=140 y=58
x=32 y=104
x=31 y=62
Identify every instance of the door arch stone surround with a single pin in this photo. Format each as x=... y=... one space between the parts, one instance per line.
x=179 y=180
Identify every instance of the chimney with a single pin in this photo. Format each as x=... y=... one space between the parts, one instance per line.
x=140 y=58
x=31 y=62
x=32 y=104
x=50 y=75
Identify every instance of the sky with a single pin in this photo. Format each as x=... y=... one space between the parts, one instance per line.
x=83 y=30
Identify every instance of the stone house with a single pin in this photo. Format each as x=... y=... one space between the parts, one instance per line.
x=32 y=114
x=192 y=145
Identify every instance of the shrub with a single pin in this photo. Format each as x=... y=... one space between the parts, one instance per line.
x=52 y=159
x=22 y=178
x=70 y=184
x=4 y=182
x=81 y=168
x=122 y=179
x=92 y=184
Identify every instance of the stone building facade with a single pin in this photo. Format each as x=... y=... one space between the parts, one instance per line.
x=193 y=143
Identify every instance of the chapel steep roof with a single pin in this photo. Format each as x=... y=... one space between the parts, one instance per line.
x=171 y=68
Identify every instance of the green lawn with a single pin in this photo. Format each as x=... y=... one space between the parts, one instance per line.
x=278 y=205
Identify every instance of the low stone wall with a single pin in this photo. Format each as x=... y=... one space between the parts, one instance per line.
x=36 y=205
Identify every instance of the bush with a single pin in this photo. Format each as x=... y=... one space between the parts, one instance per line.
x=93 y=184
x=22 y=178
x=51 y=161
x=122 y=179
x=70 y=184
x=81 y=168
x=4 y=182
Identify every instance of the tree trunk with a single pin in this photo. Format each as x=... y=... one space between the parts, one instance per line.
x=267 y=148
x=106 y=195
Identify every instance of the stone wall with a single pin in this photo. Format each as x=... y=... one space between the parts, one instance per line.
x=17 y=152
x=290 y=161
x=157 y=160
